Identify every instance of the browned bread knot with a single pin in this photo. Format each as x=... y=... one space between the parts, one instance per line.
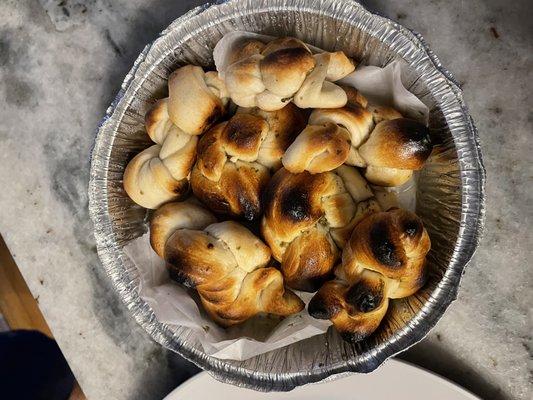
x=223 y=261
x=159 y=174
x=196 y=99
x=384 y=259
x=235 y=159
x=379 y=139
x=307 y=218
x=394 y=150
x=331 y=137
x=270 y=75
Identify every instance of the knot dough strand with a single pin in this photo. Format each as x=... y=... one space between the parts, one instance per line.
x=235 y=159
x=224 y=262
x=308 y=218
x=196 y=99
x=394 y=150
x=270 y=76
x=160 y=174
x=331 y=137
x=378 y=139
x=384 y=259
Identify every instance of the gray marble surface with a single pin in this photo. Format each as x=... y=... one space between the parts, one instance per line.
x=61 y=64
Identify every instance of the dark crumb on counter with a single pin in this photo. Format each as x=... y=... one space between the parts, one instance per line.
x=527 y=347
x=496 y=110
x=401 y=15
x=205 y=328
x=111 y=41
x=439 y=337
x=494 y=362
x=62 y=3
x=41 y=281
x=50 y=230
x=65 y=11
x=494 y=32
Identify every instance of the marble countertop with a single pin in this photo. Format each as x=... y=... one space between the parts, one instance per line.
x=61 y=64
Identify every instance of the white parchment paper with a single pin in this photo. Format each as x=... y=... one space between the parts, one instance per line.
x=178 y=306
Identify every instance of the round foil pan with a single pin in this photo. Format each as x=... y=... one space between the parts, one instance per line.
x=450 y=197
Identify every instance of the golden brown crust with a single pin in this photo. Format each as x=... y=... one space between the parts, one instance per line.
x=304 y=213
x=283 y=127
x=224 y=262
x=193 y=106
x=364 y=208
x=384 y=259
x=285 y=70
x=331 y=138
x=149 y=183
x=354 y=96
x=225 y=186
x=246 y=48
x=293 y=202
x=318 y=148
x=210 y=155
x=234 y=159
x=274 y=299
x=237 y=192
x=196 y=258
x=399 y=143
x=309 y=260
x=339 y=66
x=243 y=80
x=389 y=151
x=353 y=117
x=243 y=136
x=173 y=216
x=355 y=310
x=392 y=243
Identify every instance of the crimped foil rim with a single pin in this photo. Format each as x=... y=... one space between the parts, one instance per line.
x=472 y=222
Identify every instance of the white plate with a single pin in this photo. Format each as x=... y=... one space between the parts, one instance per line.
x=393 y=380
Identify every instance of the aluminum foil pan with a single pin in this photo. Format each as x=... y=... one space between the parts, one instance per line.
x=450 y=196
